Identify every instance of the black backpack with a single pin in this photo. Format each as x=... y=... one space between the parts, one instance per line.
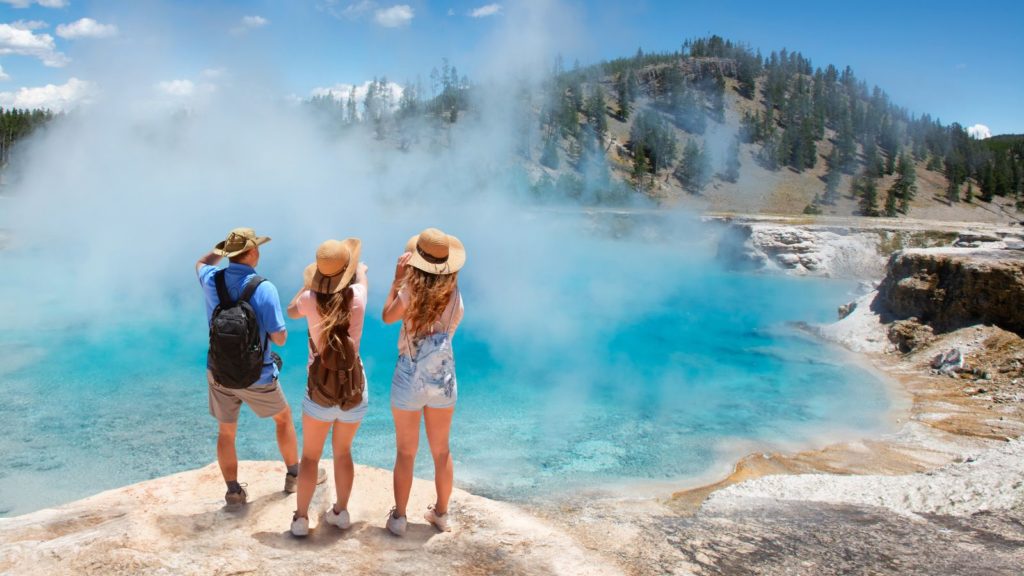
x=236 y=347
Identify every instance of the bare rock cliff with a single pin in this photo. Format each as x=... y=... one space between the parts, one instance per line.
x=954 y=287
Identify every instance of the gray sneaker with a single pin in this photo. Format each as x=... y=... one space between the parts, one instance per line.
x=440 y=521
x=236 y=498
x=396 y=524
x=291 y=482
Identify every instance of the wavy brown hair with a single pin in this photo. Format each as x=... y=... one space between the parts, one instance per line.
x=335 y=312
x=429 y=295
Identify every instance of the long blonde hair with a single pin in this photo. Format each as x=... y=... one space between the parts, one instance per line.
x=335 y=312
x=429 y=295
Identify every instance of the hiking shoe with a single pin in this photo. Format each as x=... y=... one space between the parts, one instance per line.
x=396 y=524
x=300 y=526
x=291 y=482
x=236 y=498
x=341 y=519
x=440 y=521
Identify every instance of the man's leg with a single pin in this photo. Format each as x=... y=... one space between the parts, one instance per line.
x=226 y=456
x=286 y=439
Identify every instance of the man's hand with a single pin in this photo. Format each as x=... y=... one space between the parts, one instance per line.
x=208 y=259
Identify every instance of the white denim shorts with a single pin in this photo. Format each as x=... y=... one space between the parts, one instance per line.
x=433 y=385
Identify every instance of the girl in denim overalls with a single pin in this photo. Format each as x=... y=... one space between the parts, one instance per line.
x=425 y=297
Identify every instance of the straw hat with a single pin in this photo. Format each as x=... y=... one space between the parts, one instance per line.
x=435 y=252
x=239 y=240
x=336 y=262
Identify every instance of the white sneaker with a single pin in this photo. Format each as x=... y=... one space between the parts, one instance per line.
x=440 y=521
x=396 y=525
x=300 y=526
x=341 y=519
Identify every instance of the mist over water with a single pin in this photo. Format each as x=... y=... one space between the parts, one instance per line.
x=596 y=347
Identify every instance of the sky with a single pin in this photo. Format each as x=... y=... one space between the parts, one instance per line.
x=957 y=61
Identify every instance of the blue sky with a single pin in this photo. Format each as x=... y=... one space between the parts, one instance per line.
x=955 y=60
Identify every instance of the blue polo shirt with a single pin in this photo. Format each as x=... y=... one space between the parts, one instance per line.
x=265 y=302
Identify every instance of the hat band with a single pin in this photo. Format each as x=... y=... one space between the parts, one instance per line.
x=429 y=258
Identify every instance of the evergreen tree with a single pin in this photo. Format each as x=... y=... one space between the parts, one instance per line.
x=596 y=113
x=868 y=192
x=622 y=93
x=905 y=187
x=694 y=171
x=969 y=195
x=350 y=107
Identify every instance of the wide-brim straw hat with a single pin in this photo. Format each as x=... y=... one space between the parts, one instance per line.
x=435 y=252
x=336 y=263
x=239 y=240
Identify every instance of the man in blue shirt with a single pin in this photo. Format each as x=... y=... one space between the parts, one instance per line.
x=264 y=396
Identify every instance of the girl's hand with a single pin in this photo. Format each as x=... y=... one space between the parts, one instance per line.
x=362 y=268
x=403 y=261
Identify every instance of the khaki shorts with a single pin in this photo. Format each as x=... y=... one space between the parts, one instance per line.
x=265 y=400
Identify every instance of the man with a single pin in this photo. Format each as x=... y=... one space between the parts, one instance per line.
x=264 y=395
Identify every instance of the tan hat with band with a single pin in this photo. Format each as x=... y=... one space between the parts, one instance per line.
x=239 y=240
x=336 y=263
x=435 y=252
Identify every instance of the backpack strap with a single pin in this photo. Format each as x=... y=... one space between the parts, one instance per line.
x=222 y=288
x=251 y=287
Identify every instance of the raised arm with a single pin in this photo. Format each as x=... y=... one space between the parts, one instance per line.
x=394 y=308
x=208 y=259
x=293 y=306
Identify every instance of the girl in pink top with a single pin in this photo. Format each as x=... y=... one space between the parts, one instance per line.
x=333 y=301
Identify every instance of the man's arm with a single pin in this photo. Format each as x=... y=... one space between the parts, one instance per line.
x=208 y=259
x=279 y=338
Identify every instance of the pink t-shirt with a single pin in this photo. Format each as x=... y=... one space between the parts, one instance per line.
x=306 y=305
x=451 y=317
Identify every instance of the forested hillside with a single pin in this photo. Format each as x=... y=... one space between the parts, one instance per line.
x=715 y=125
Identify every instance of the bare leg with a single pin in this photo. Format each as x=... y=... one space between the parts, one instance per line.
x=344 y=470
x=286 y=440
x=314 y=432
x=407 y=436
x=226 y=455
x=439 y=423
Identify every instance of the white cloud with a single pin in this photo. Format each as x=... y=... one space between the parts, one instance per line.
x=395 y=16
x=979 y=131
x=177 y=87
x=357 y=9
x=58 y=98
x=43 y=3
x=29 y=24
x=86 y=28
x=3 y=75
x=26 y=43
x=212 y=73
x=485 y=11
x=249 y=23
x=451 y=12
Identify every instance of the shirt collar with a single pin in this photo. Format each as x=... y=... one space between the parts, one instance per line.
x=238 y=267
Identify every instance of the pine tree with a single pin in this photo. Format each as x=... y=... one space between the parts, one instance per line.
x=969 y=194
x=868 y=192
x=732 y=162
x=596 y=113
x=622 y=93
x=694 y=171
x=905 y=186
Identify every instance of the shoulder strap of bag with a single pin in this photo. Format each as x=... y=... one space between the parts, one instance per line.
x=222 y=288
x=251 y=287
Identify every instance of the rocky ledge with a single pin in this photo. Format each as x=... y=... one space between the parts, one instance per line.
x=843 y=248
x=179 y=525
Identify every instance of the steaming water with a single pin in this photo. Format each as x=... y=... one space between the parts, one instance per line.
x=663 y=391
